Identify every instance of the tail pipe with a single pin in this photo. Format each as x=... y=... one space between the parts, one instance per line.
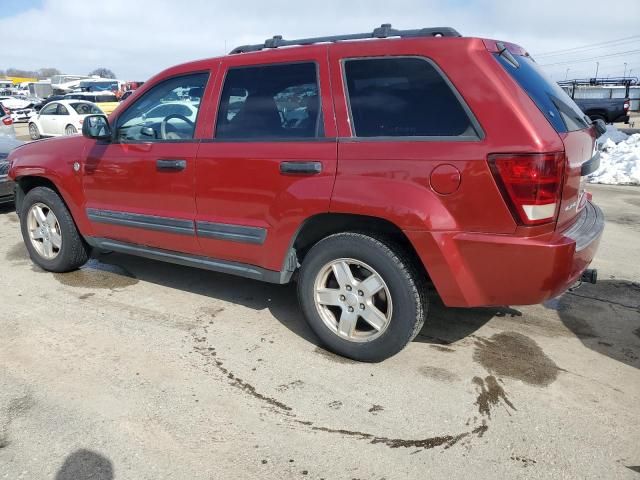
x=590 y=275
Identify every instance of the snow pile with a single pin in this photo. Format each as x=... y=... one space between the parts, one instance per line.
x=613 y=134
x=619 y=163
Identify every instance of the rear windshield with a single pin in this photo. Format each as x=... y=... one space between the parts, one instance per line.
x=561 y=111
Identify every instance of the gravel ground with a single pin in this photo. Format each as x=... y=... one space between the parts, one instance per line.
x=131 y=369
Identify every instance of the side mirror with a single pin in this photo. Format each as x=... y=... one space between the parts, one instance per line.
x=601 y=127
x=96 y=127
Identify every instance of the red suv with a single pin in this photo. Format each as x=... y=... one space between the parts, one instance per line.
x=363 y=166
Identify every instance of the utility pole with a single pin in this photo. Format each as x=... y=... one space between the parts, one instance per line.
x=597 y=66
x=625 y=70
x=566 y=74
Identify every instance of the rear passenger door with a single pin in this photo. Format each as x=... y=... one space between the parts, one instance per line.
x=271 y=161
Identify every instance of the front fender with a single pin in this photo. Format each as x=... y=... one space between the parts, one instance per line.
x=53 y=160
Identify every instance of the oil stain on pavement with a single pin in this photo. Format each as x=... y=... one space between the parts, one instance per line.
x=17 y=253
x=513 y=355
x=95 y=274
x=439 y=374
x=210 y=358
x=18 y=407
x=490 y=394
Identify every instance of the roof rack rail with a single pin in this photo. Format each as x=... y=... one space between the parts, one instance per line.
x=384 y=31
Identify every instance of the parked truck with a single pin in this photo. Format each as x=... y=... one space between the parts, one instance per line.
x=609 y=110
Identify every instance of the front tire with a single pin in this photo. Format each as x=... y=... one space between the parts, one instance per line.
x=34 y=133
x=49 y=232
x=362 y=295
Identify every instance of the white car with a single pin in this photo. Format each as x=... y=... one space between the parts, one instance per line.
x=63 y=117
x=14 y=102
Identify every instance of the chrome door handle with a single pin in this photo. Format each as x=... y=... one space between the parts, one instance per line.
x=301 y=167
x=171 y=165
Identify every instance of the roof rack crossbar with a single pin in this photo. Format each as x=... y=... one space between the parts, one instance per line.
x=383 y=31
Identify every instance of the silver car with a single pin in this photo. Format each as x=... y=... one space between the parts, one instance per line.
x=6 y=123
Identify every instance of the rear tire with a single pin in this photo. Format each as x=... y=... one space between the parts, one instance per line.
x=70 y=130
x=380 y=295
x=49 y=232
x=34 y=133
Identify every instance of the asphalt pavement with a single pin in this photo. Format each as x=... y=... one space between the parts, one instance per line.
x=132 y=369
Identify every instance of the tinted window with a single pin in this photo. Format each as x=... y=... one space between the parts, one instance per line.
x=105 y=98
x=274 y=101
x=403 y=97
x=561 y=111
x=166 y=112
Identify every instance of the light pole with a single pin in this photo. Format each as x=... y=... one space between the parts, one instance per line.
x=597 y=66
x=625 y=70
x=566 y=74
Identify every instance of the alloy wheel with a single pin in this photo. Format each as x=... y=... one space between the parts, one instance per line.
x=353 y=300
x=44 y=231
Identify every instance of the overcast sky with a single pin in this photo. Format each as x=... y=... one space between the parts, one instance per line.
x=137 y=38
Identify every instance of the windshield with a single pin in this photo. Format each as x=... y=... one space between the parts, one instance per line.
x=561 y=111
x=86 y=109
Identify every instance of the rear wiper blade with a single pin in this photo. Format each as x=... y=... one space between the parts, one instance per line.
x=504 y=52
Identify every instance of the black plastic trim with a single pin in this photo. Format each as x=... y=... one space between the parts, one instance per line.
x=234 y=233
x=147 y=222
x=270 y=140
x=590 y=165
x=587 y=228
x=188 y=260
x=383 y=31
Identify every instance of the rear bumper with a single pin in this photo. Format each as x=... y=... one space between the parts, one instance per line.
x=474 y=269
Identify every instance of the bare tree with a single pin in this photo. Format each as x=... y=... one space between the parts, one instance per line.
x=47 y=72
x=103 y=72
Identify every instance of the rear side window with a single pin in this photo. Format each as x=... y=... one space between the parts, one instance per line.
x=270 y=102
x=403 y=97
x=86 y=109
x=561 y=111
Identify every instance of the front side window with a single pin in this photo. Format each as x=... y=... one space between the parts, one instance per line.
x=403 y=97
x=50 y=109
x=270 y=102
x=166 y=112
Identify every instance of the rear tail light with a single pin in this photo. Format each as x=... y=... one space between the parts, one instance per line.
x=626 y=105
x=531 y=184
x=7 y=120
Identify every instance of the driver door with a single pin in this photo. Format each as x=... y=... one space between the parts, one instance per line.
x=47 y=118
x=139 y=188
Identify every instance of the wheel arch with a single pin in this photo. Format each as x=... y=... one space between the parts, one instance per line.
x=320 y=226
x=27 y=183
